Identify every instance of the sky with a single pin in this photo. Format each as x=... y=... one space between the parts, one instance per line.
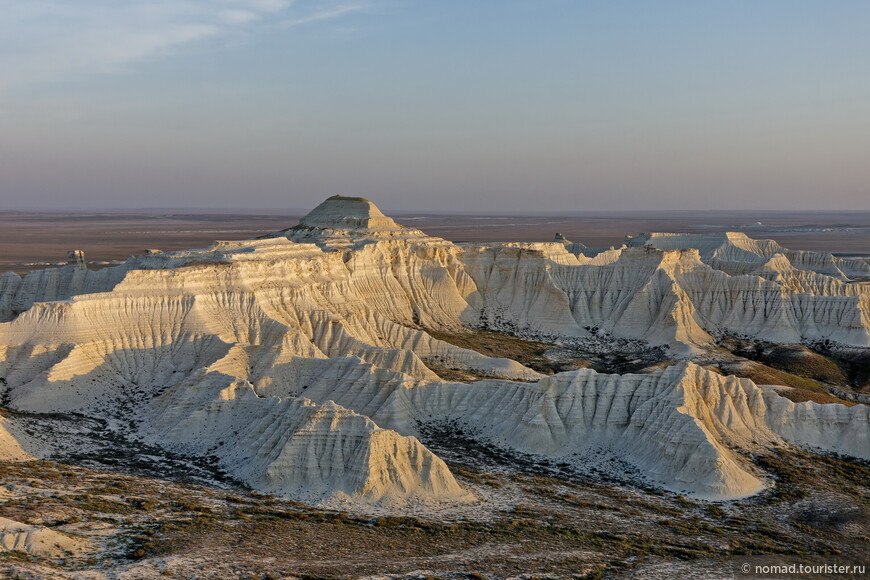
x=454 y=105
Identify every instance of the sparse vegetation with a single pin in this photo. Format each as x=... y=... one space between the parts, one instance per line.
x=806 y=371
x=457 y=375
x=500 y=345
x=545 y=357
x=554 y=514
x=591 y=514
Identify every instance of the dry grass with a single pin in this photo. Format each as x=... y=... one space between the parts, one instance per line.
x=803 y=389
x=457 y=375
x=799 y=367
x=556 y=526
x=801 y=361
x=499 y=345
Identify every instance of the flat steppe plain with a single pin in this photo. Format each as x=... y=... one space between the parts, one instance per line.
x=30 y=240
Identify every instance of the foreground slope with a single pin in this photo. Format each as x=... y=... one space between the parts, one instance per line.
x=302 y=363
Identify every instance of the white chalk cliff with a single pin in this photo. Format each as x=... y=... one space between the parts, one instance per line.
x=300 y=360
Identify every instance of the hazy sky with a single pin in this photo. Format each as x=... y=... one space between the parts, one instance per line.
x=449 y=104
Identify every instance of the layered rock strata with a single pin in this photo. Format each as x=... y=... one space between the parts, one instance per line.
x=302 y=363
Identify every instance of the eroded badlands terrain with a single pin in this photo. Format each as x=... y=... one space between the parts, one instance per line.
x=597 y=406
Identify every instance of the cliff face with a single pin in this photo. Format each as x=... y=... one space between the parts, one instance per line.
x=679 y=425
x=737 y=253
x=299 y=360
x=668 y=297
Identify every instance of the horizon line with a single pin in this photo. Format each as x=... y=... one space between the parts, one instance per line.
x=302 y=211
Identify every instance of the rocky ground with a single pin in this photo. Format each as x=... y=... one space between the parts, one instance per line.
x=533 y=519
x=131 y=511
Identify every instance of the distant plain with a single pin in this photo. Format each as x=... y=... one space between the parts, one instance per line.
x=30 y=240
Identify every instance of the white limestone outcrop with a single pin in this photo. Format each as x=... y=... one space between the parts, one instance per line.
x=679 y=426
x=294 y=447
x=38 y=540
x=737 y=253
x=301 y=360
x=10 y=442
x=662 y=297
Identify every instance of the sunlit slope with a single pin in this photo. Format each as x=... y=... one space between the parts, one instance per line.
x=301 y=361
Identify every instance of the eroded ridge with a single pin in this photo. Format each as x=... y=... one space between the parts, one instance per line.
x=305 y=364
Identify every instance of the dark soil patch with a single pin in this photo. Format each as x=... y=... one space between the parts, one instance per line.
x=548 y=357
x=499 y=345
